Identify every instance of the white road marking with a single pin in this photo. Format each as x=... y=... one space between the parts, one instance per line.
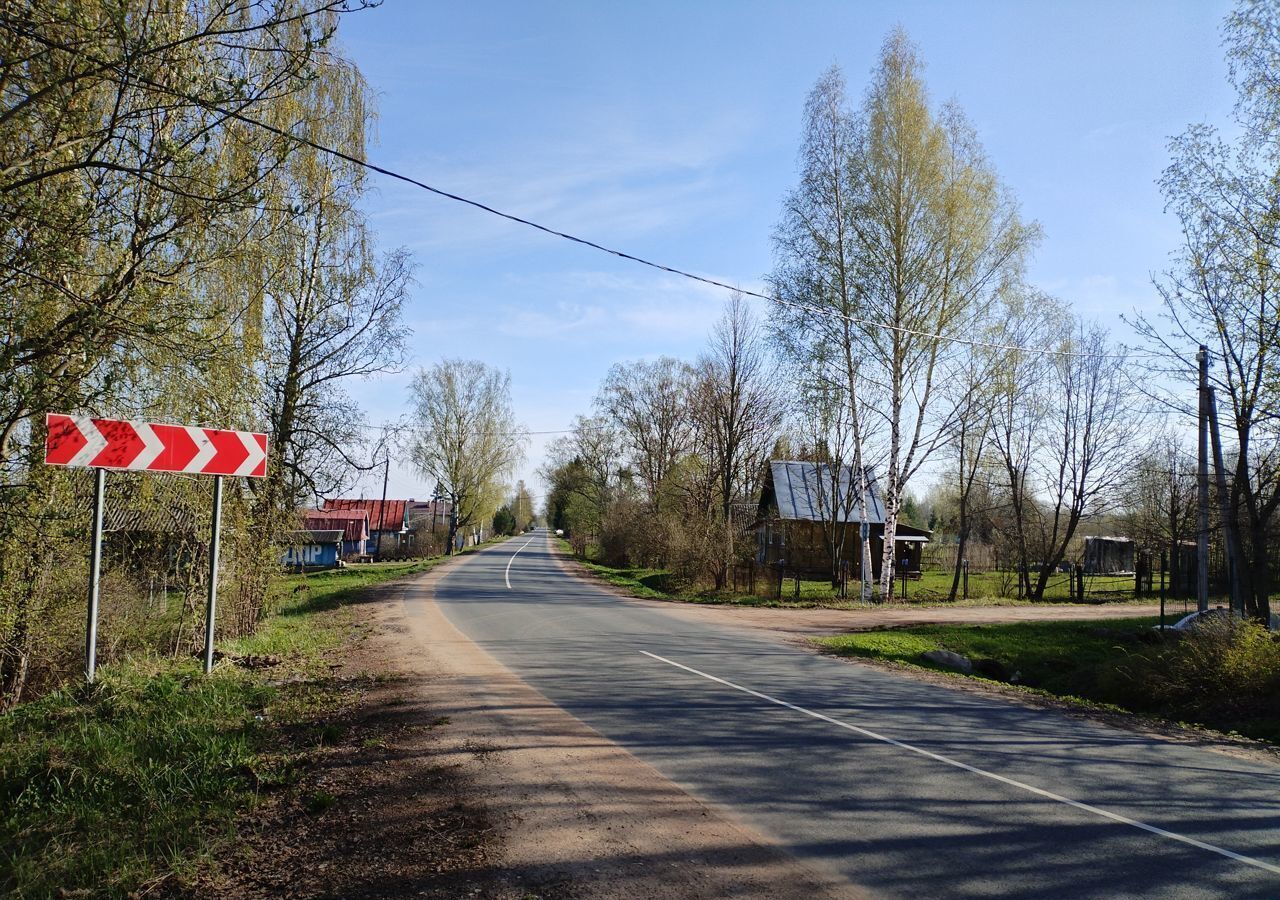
x=507 y=575
x=1040 y=792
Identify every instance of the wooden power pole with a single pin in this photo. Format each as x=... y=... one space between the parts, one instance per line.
x=1202 y=484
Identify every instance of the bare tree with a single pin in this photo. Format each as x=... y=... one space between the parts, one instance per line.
x=1020 y=384
x=973 y=400
x=1090 y=438
x=648 y=402
x=1221 y=289
x=1160 y=499
x=740 y=405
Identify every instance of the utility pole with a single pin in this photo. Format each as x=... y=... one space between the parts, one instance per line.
x=1202 y=479
x=453 y=520
x=382 y=509
x=1234 y=556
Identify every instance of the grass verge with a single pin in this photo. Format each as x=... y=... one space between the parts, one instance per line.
x=114 y=789
x=1224 y=682
x=814 y=594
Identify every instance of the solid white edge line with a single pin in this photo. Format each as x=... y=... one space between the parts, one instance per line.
x=1040 y=792
x=507 y=575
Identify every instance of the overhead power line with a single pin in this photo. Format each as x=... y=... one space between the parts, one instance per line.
x=621 y=254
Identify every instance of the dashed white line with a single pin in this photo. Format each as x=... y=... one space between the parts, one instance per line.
x=1040 y=792
x=507 y=575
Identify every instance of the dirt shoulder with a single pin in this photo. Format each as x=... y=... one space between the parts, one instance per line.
x=446 y=776
x=803 y=623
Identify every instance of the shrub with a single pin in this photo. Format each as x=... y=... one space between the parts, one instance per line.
x=1218 y=674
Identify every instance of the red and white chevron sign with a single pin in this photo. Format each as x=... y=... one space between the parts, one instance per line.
x=153 y=447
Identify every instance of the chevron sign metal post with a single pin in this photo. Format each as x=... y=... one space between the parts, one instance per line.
x=102 y=444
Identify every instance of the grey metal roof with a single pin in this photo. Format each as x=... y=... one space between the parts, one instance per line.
x=804 y=492
x=312 y=536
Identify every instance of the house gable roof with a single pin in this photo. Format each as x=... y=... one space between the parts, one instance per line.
x=390 y=516
x=354 y=523
x=809 y=492
x=311 y=536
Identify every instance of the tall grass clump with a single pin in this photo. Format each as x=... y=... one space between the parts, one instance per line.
x=1225 y=674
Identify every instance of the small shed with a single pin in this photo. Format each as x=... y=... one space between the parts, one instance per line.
x=312 y=548
x=1108 y=556
x=800 y=501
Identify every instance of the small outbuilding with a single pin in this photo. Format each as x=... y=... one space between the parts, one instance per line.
x=1108 y=556
x=802 y=504
x=312 y=549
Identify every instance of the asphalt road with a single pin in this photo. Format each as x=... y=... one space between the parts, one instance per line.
x=903 y=787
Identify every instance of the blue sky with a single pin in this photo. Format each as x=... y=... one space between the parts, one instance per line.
x=670 y=130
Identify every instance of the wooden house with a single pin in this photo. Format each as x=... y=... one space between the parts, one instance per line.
x=388 y=521
x=802 y=504
x=312 y=549
x=353 y=523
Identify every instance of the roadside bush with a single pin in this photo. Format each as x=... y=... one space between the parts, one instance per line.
x=1220 y=674
x=627 y=535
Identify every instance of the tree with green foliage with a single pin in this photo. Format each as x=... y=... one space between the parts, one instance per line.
x=148 y=225
x=464 y=435
x=1221 y=286
x=504 y=520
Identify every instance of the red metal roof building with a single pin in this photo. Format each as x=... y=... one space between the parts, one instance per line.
x=353 y=523
x=391 y=517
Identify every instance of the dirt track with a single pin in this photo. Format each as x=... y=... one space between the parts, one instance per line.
x=819 y=622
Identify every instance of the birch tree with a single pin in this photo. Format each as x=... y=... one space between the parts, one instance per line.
x=816 y=282
x=1223 y=283
x=937 y=239
x=465 y=436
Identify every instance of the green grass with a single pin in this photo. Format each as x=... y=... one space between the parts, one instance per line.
x=116 y=787
x=1058 y=657
x=1114 y=662
x=930 y=590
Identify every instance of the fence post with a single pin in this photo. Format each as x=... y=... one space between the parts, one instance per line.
x=964 y=566
x=1162 y=565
